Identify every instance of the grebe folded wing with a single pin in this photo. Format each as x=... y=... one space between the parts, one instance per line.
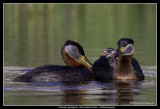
x=137 y=69
x=55 y=73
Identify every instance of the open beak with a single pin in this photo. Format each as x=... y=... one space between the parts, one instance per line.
x=104 y=53
x=108 y=54
x=84 y=59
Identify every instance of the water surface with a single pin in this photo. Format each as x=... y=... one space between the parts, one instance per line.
x=88 y=93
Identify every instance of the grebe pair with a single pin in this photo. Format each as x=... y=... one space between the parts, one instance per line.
x=112 y=64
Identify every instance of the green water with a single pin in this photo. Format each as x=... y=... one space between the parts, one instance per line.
x=35 y=33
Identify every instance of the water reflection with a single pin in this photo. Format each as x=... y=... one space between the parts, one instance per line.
x=116 y=92
x=73 y=97
x=124 y=92
x=82 y=93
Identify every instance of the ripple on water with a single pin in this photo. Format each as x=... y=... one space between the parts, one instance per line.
x=93 y=92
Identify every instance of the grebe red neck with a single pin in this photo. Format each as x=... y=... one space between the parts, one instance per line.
x=124 y=69
x=71 y=53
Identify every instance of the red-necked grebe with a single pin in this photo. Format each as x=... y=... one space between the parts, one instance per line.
x=74 y=71
x=127 y=67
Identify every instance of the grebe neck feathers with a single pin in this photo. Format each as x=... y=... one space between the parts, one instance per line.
x=124 y=69
x=71 y=52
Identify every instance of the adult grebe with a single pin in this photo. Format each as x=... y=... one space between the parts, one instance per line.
x=74 y=71
x=105 y=65
x=127 y=66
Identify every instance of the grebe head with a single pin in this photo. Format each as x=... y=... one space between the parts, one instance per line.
x=75 y=51
x=125 y=47
x=110 y=53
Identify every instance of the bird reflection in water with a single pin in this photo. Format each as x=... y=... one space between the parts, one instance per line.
x=119 y=92
x=73 y=97
x=125 y=92
x=113 y=93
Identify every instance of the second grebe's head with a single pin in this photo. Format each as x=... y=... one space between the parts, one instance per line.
x=75 y=51
x=110 y=53
x=125 y=47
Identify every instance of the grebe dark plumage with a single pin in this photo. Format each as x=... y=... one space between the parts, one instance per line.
x=127 y=67
x=104 y=66
x=74 y=71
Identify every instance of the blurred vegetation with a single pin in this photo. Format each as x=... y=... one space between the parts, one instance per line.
x=35 y=33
